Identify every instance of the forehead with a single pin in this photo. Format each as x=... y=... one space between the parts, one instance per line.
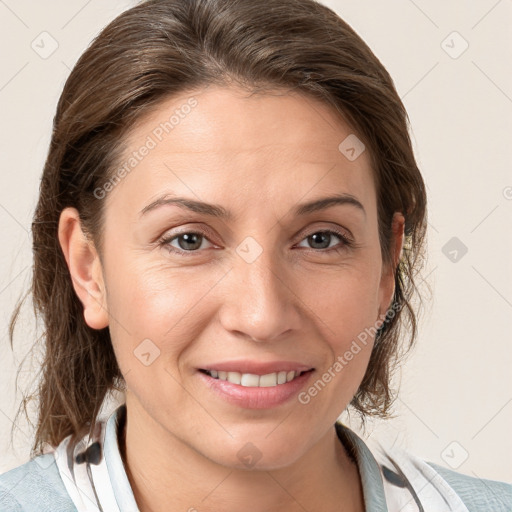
x=219 y=141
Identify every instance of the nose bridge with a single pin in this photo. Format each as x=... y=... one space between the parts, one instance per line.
x=258 y=270
x=261 y=304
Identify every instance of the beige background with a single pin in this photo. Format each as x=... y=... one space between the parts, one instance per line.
x=455 y=406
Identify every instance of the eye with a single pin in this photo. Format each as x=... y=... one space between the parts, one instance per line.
x=322 y=240
x=192 y=241
x=189 y=241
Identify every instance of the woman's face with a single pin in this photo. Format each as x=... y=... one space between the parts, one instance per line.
x=244 y=278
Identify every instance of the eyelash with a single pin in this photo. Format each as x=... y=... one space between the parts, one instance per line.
x=346 y=242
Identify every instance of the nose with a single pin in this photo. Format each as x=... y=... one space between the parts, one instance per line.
x=259 y=299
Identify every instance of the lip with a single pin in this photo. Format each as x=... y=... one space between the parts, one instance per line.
x=257 y=367
x=256 y=397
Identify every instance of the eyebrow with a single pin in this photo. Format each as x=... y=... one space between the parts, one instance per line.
x=216 y=210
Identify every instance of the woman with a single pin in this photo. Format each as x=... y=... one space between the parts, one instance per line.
x=229 y=225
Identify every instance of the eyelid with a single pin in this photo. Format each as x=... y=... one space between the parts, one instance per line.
x=335 y=228
x=185 y=229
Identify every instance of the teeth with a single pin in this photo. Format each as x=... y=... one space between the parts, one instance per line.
x=249 y=380
x=281 y=377
x=268 y=380
x=253 y=381
x=234 y=377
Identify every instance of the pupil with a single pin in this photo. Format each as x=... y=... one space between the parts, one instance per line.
x=325 y=236
x=190 y=239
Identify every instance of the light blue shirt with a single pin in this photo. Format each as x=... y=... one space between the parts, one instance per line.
x=37 y=486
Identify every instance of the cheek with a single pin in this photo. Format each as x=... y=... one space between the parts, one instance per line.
x=344 y=307
x=155 y=309
x=345 y=301
x=350 y=338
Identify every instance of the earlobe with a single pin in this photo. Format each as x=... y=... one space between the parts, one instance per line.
x=85 y=268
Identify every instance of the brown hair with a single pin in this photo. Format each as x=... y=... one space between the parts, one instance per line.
x=143 y=57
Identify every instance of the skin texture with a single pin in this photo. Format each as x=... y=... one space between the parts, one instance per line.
x=299 y=300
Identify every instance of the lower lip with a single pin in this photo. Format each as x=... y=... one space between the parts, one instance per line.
x=256 y=397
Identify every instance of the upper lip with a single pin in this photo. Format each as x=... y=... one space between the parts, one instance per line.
x=257 y=367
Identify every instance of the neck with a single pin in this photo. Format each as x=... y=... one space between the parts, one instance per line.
x=163 y=470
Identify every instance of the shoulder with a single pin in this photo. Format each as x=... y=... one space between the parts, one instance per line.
x=437 y=487
x=478 y=494
x=35 y=485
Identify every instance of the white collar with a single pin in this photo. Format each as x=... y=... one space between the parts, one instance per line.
x=92 y=469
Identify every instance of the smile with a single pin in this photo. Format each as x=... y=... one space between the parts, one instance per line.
x=263 y=390
x=252 y=380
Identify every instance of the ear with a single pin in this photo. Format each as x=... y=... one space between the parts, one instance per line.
x=387 y=284
x=85 y=268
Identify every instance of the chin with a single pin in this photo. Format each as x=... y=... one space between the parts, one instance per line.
x=258 y=454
